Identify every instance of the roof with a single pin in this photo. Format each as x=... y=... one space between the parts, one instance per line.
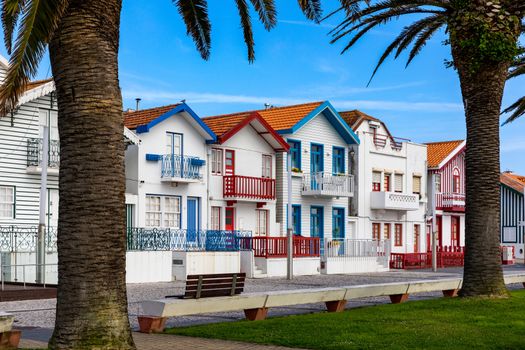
x=287 y=119
x=437 y=152
x=355 y=118
x=230 y=126
x=514 y=181
x=34 y=84
x=142 y=121
x=133 y=119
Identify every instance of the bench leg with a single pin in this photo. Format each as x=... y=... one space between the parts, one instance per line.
x=450 y=293
x=335 y=306
x=151 y=324
x=398 y=298
x=523 y=284
x=256 y=314
x=10 y=339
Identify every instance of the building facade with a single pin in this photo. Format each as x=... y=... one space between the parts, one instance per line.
x=446 y=172
x=513 y=212
x=391 y=179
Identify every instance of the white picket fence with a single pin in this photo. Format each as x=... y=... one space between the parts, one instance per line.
x=355 y=256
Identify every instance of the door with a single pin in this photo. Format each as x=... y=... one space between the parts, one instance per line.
x=52 y=208
x=316 y=165
x=229 y=219
x=316 y=222
x=193 y=216
x=416 y=238
x=229 y=162
x=429 y=238
x=174 y=151
x=338 y=223
x=454 y=231
x=439 y=224
x=49 y=118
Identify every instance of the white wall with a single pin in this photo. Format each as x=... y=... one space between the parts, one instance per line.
x=276 y=267
x=409 y=161
x=195 y=263
x=148 y=267
x=341 y=265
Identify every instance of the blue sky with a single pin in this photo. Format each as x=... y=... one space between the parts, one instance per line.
x=295 y=63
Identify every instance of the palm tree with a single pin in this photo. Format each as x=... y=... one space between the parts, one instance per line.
x=483 y=36
x=83 y=39
x=517 y=109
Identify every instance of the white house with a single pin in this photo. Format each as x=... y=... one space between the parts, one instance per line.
x=446 y=172
x=513 y=212
x=391 y=176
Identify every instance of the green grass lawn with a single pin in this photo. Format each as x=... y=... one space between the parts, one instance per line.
x=430 y=324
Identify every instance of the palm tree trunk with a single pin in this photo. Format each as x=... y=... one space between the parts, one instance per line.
x=91 y=307
x=482 y=93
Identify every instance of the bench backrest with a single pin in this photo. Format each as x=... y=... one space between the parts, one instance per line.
x=216 y=285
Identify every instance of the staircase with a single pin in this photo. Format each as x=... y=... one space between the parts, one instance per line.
x=258 y=273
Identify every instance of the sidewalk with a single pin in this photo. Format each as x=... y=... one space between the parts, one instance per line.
x=34 y=339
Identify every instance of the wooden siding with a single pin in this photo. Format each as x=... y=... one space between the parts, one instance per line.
x=512 y=212
x=13 y=160
x=447 y=176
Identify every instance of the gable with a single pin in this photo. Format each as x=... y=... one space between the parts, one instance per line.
x=440 y=153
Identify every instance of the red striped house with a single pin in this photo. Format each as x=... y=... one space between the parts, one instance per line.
x=446 y=174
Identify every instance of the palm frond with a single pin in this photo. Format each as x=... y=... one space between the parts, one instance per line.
x=244 y=14
x=267 y=12
x=518 y=68
x=517 y=109
x=311 y=9
x=38 y=21
x=198 y=26
x=10 y=11
x=424 y=37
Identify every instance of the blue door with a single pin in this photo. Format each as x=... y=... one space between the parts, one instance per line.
x=338 y=223
x=193 y=224
x=316 y=222
x=316 y=165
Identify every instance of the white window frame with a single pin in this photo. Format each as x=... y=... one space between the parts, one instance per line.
x=398 y=180
x=416 y=179
x=437 y=184
x=171 y=218
x=217 y=161
x=215 y=223
x=262 y=224
x=267 y=166
x=6 y=205
x=153 y=215
x=163 y=215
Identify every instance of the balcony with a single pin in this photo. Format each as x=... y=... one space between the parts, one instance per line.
x=247 y=188
x=328 y=185
x=394 y=201
x=450 y=201
x=181 y=169
x=35 y=153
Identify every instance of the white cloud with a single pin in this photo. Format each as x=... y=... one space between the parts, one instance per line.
x=202 y=98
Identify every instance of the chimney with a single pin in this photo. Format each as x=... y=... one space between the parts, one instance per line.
x=138 y=103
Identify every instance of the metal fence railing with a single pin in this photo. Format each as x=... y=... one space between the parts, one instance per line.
x=167 y=239
x=24 y=239
x=340 y=248
x=26 y=274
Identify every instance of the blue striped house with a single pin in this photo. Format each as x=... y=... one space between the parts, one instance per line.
x=512 y=212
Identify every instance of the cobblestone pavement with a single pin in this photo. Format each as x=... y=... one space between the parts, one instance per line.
x=41 y=313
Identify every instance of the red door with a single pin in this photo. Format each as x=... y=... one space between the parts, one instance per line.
x=229 y=163
x=439 y=221
x=229 y=219
x=454 y=231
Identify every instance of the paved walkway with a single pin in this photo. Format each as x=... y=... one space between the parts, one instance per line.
x=159 y=342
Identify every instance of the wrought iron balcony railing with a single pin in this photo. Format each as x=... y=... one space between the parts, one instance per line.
x=182 y=167
x=24 y=239
x=329 y=185
x=34 y=153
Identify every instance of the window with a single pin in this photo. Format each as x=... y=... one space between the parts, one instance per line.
x=398 y=183
x=376 y=231
x=163 y=211
x=398 y=235
x=416 y=184
x=216 y=161
x=438 y=183
x=295 y=153
x=7 y=202
x=376 y=181
x=386 y=231
x=386 y=183
x=172 y=212
x=267 y=166
x=457 y=181
x=153 y=212
x=338 y=160
x=417 y=230
x=173 y=143
x=296 y=219
x=215 y=218
x=229 y=163
x=48 y=118
x=262 y=222
x=510 y=235
x=338 y=223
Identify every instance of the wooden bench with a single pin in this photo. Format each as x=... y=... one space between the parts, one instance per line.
x=256 y=305
x=197 y=287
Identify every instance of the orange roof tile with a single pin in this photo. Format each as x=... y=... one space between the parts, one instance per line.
x=513 y=180
x=279 y=118
x=355 y=118
x=133 y=119
x=438 y=151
